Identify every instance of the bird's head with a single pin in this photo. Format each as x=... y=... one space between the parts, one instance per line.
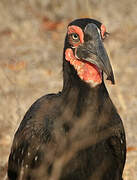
x=84 y=50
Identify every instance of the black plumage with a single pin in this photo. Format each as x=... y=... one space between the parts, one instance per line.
x=76 y=134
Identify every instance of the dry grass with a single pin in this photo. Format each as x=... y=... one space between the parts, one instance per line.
x=31 y=59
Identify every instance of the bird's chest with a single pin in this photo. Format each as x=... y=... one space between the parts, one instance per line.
x=76 y=124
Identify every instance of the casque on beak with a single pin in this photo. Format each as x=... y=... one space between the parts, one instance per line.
x=93 y=51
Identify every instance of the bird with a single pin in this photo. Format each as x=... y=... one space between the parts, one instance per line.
x=76 y=134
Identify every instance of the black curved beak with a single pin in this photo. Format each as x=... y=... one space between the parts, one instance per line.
x=93 y=51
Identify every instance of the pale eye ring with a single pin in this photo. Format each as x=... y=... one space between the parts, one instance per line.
x=75 y=36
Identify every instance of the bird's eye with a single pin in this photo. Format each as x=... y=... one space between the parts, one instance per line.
x=106 y=34
x=75 y=37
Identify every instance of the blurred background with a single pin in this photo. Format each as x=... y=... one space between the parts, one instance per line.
x=31 y=44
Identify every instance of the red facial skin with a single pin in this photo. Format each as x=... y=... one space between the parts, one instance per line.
x=103 y=30
x=77 y=30
x=87 y=71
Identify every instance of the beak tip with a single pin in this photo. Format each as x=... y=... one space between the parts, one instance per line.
x=111 y=78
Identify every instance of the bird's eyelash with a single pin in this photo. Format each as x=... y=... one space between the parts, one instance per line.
x=106 y=35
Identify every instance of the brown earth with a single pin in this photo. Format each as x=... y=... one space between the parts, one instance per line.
x=31 y=41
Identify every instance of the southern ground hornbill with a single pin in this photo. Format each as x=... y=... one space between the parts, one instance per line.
x=76 y=134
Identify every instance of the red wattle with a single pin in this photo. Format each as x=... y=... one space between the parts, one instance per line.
x=86 y=70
